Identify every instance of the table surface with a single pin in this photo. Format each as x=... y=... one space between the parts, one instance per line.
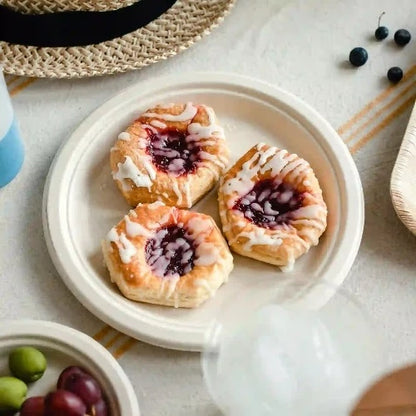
x=302 y=48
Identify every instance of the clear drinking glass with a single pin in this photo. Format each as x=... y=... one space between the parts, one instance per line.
x=11 y=145
x=299 y=348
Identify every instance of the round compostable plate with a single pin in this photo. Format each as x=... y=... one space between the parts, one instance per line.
x=82 y=203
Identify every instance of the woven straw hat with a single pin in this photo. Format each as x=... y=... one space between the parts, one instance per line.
x=182 y=24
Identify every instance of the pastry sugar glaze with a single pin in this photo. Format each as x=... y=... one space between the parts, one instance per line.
x=271 y=199
x=166 y=244
x=173 y=144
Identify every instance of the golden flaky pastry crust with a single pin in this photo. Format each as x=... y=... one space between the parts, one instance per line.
x=294 y=233
x=140 y=273
x=133 y=165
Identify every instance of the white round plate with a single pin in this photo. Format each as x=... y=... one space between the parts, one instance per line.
x=62 y=347
x=81 y=202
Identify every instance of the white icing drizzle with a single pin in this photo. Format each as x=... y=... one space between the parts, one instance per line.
x=128 y=170
x=134 y=229
x=188 y=114
x=214 y=171
x=141 y=143
x=176 y=300
x=241 y=223
x=198 y=226
x=309 y=211
x=277 y=161
x=158 y=124
x=205 y=285
x=124 y=136
x=112 y=235
x=162 y=287
x=125 y=248
x=177 y=192
x=314 y=222
x=242 y=182
x=309 y=234
x=187 y=189
x=167 y=105
x=295 y=165
x=223 y=159
x=149 y=169
x=268 y=210
x=206 y=254
x=155 y=205
x=151 y=128
x=212 y=158
x=198 y=131
x=205 y=143
x=172 y=282
x=265 y=155
x=258 y=236
x=288 y=267
x=202 y=134
x=164 y=219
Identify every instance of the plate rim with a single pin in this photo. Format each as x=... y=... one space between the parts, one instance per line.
x=305 y=114
x=85 y=345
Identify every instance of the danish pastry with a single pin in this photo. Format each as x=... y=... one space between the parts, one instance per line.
x=167 y=256
x=172 y=153
x=271 y=206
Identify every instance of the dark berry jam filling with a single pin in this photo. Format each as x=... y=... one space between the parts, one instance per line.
x=270 y=203
x=170 y=253
x=172 y=153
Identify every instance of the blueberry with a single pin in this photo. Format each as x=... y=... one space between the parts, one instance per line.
x=395 y=74
x=381 y=33
x=358 y=56
x=402 y=37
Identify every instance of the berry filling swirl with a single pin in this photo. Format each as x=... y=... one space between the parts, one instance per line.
x=270 y=203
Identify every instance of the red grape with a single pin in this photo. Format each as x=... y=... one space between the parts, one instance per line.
x=99 y=409
x=64 y=403
x=33 y=406
x=85 y=387
x=68 y=373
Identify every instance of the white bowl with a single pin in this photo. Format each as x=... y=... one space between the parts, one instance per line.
x=62 y=347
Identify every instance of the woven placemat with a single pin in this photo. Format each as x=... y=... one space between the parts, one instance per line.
x=174 y=31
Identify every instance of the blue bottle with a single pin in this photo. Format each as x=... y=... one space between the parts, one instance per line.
x=11 y=145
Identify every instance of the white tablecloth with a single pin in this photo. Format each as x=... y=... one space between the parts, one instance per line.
x=302 y=48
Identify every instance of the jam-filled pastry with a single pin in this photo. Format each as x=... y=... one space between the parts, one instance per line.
x=167 y=256
x=173 y=153
x=271 y=206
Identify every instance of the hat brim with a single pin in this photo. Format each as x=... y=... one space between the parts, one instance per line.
x=174 y=31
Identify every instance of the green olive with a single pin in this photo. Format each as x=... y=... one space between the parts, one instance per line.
x=12 y=393
x=27 y=363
